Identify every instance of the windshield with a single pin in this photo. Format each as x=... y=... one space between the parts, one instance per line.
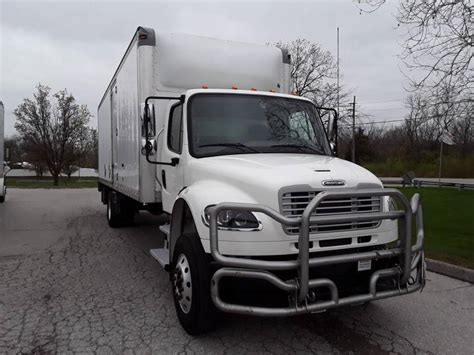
x=222 y=124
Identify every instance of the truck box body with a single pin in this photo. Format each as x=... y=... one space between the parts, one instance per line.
x=3 y=189
x=168 y=64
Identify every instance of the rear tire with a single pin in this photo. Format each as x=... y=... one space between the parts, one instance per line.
x=113 y=217
x=191 y=284
x=119 y=214
x=2 y=198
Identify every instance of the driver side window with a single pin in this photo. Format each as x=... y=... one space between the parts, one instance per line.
x=175 y=129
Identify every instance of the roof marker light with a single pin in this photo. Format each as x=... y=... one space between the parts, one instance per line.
x=272 y=90
x=253 y=89
x=234 y=87
x=205 y=86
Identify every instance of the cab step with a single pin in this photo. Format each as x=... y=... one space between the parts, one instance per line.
x=161 y=255
x=165 y=229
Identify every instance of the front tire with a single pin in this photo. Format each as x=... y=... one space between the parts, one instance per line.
x=191 y=283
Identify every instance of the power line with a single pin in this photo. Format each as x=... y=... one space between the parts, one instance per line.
x=353 y=129
x=384 y=108
x=381 y=101
x=371 y=123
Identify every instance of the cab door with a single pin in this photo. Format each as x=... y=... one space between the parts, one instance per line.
x=172 y=177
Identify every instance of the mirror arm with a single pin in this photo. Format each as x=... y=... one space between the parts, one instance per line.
x=146 y=120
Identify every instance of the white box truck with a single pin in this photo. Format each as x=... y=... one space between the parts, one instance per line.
x=3 y=189
x=264 y=219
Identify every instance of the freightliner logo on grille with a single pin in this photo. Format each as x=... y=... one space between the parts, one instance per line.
x=334 y=182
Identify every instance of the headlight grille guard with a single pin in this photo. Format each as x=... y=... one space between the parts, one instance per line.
x=411 y=256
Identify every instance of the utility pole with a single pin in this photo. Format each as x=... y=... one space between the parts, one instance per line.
x=440 y=162
x=353 y=130
x=338 y=71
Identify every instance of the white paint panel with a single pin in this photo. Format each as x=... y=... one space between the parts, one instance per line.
x=105 y=139
x=187 y=62
x=126 y=163
x=150 y=189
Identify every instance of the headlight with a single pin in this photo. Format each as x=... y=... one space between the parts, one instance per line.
x=233 y=220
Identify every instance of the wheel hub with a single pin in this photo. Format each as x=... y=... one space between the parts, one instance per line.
x=182 y=286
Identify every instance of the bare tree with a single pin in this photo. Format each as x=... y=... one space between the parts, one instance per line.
x=33 y=156
x=54 y=130
x=91 y=154
x=434 y=111
x=439 y=39
x=463 y=132
x=314 y=75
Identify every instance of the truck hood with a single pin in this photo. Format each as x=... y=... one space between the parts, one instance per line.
x=256 y=173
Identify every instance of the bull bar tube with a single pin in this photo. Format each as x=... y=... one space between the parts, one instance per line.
x=411 y=256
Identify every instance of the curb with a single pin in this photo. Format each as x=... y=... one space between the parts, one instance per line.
x=457 y=272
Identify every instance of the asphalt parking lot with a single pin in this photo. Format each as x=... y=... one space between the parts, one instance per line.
x=69 y=283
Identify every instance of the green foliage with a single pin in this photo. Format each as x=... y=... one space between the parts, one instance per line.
x=453 y=166
x=63 y=182
x=449 y=224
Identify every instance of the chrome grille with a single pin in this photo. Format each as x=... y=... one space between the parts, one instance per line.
x=292 y=204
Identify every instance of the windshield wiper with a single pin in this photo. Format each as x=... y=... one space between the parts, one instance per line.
x=301 y=147
x=236 y=145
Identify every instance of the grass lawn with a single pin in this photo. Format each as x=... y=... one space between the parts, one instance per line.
x=31 y=183
x=448 y=216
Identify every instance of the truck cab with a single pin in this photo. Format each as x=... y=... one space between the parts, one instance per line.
x=261 y=148
x=263 y=217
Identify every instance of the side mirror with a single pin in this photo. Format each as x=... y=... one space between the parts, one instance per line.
x=330 y=129
x=147 y=116
x=149 y=146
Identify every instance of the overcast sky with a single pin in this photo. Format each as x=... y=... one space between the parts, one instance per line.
x=77 y=45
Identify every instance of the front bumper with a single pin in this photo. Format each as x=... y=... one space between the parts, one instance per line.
x=408 y=274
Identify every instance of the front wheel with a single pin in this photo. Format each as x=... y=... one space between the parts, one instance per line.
x=191 y=286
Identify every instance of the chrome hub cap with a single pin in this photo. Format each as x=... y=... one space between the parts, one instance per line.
x=182 y=286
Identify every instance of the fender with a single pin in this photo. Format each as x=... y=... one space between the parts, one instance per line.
x=190 y=204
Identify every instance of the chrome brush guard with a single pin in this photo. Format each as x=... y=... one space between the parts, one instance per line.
x=411 y=257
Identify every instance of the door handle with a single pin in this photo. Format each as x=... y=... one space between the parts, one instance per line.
x=163 y=178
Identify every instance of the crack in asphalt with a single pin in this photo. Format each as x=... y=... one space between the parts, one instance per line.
x=100 y=294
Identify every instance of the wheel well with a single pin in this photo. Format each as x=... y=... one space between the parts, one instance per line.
x=181 y=222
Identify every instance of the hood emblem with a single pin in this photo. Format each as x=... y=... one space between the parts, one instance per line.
x=334 y=182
